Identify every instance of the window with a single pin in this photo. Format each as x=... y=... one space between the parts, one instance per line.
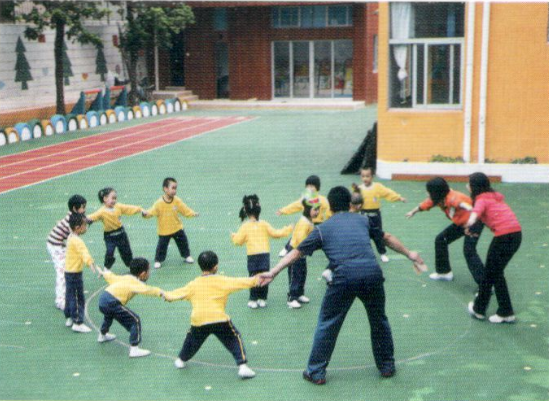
x=312 y=16
x=220 y=19
x=426 y=55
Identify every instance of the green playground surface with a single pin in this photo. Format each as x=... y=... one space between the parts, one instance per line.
x=441 y=353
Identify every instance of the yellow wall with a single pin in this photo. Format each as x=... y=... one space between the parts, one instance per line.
x=518 y=94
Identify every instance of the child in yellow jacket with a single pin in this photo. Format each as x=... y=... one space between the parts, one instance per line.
x=208 y=295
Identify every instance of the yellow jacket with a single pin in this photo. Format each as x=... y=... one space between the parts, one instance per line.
x=256 y=234
x=373 y=194
x=297 y=206
x=77 y=255
x=125 y=287
x=111 y=217
x=167 y=214
x=301 y=231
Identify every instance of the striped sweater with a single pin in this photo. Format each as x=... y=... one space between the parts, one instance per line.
x=59 y=234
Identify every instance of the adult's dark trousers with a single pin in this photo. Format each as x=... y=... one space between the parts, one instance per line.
x=75 y=303
x=112 y=309
x=376 y=229
x=226 y=332
x=258 y=264
x=117 y=239
x=336 y=303
x=181 y=241
x=500 y=252
x=452 y=233
x=297 y=275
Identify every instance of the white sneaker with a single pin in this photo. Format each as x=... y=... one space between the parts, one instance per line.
x=252 y=304
x=294 y=304
x=81 y=328
x=103 y=338
x=60 y=306
x=283 y=252
x=303 y=299
x=244 y=372
x=179 y=364
x=384 y=258
x=442 y=276
x=68 y=322
x=136 y=352
x=157 y=265
x=502 y=319
x=261 y=303
x=328 y=275
x=473 y=313
x=189 y=259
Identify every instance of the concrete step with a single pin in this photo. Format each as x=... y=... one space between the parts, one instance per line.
x=188 y=98
x=174 y=88
x=164 y=94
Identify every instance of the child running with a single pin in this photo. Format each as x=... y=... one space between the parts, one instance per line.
x=208 y=295
x=490 y=207
x=297 y=272
x=255 y=234
x=166 y=209
x=120 y=291
x=77 y=256
x=115 y=236
x=56 y=245
x=456 y=206
x=372 y=193
x=312 y=184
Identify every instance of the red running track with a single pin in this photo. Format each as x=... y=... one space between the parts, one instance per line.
x=42 y=164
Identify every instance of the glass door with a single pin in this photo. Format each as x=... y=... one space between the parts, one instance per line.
x=301 y=69
x=323 y=69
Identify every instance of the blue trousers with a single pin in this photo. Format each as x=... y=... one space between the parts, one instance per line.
x=258 y=264
x=297 y=275
x=117 y=239
x=224 y=331
x=112 y=309
x=75 y=303
x=376 y=229
x=164 y=240
x=336 y=303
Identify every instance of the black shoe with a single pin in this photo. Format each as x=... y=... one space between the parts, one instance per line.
x=388 y=371
x=309 y=378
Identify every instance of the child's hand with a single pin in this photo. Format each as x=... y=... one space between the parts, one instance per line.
x=411 y=213
x=196 y=214
x=278 y=212
x=403 y=200
x=144 y=213
x=100 y=272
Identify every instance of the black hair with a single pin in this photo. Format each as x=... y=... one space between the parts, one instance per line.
x=104 y=192
x=76 y=220
x=357 y=199
x=371 y=168
x=207 y=260
x=76 y=201
x=167 y=180
x=339 y=199
x=438 y=189
x=138 y=266
x=479 y=183
x=251 y=207
x=313 y=180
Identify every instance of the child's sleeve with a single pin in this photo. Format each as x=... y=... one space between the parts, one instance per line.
x=144 y=289
x=110 y=277
x=234 y=284
x=388 y=194
x=97 y=215
x=83 y=250
x=301 y=232
x=184 y=210
x=324 y=204
x=274 y=233
x=152 y=212
x=180 y=294
x=129 y=210
x=427 y=204
x=240 y=237
x=292 y=208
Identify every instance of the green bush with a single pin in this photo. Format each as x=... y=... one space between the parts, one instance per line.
x=525 y=160
x=446 y=159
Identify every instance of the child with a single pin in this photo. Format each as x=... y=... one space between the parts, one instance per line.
x=166 y=210
x=372 y=193
x=490 y=207
x=356 y=202
x=297 y=272
x=312 y=184
x=77 y=256
x=456 y=206
x=56 y=245
x=208 y=295
x=255 y=234
x=120 y=291
x=115 y=236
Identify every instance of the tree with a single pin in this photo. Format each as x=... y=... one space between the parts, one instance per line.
x=147 y=27
x=67 y=65
x=22 y=67
x=66 y=18
x=101 y=64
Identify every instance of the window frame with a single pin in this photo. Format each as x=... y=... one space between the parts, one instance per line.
x=276 y=14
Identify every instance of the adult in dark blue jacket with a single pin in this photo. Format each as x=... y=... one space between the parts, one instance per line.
x=345 y=239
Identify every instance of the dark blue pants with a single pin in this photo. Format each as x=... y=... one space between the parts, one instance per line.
x=297 y=275
x=376 y=229
x=453 y=233
x=258 y=264
x=75 y=302
x=164 y=240
x=336 y=303
x=112 y=309
x=500 y=253
x=224 y=331
x=117 y=239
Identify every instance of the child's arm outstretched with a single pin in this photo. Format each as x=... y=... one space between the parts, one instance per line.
x=390 y=195
x=179 y=294
x=280 y=233
x=185 y=211
x=129 y=210
x=292 y=208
